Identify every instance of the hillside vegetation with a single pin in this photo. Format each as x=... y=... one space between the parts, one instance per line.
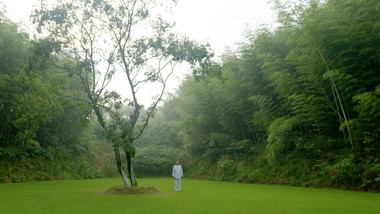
x=297 y=104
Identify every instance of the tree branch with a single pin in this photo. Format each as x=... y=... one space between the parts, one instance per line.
x=153 y=107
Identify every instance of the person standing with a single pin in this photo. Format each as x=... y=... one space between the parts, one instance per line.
x=177 y=175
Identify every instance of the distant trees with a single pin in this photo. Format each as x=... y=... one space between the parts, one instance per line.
x=35 y=105
x=304 y=92
x=160 y=145
x=41 y=126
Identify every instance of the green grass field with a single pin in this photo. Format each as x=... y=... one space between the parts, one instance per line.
x=197 y=196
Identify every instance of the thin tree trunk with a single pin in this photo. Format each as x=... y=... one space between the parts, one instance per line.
x=131 y=173
x=120 y=167
x=23 y=140
x=133 y=181
x=3 y=131
x=336 y=93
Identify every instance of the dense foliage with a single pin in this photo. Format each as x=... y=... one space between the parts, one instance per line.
x=296 y=105
x=42 y=128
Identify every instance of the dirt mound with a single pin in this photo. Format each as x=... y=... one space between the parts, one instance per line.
x=122 y=190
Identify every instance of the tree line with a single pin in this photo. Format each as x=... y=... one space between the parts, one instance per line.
x=298 y=104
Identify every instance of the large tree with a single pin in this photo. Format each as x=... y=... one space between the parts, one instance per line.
x=101 y=37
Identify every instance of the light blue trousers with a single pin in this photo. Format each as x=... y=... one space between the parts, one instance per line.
x=177 y=184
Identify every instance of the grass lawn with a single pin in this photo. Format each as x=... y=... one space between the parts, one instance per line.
x=197 y=196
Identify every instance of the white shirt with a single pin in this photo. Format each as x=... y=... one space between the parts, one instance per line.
x=177 y=171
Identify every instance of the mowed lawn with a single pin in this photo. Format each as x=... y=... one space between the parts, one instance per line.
x=197 y=196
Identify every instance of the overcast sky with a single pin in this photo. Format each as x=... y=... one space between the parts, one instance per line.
x=219 y=22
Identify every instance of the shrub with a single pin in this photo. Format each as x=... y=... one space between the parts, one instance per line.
x=226 y=169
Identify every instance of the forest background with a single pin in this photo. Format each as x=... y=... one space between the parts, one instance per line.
x=298 y=105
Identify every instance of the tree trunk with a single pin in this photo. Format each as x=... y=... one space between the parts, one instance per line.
x=131 y=173
x=133 y=177
x=335 y=90
x=120 y=167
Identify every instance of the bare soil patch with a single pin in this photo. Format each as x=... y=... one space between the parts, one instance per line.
x=122 y=190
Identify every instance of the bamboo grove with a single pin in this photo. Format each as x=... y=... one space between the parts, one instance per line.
x=298 y=104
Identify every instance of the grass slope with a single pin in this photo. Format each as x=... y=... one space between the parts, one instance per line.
x=197 y=196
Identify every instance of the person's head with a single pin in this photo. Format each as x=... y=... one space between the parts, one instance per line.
x=176 y=162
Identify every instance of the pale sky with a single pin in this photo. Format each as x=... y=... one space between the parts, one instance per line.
x=219 y=22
